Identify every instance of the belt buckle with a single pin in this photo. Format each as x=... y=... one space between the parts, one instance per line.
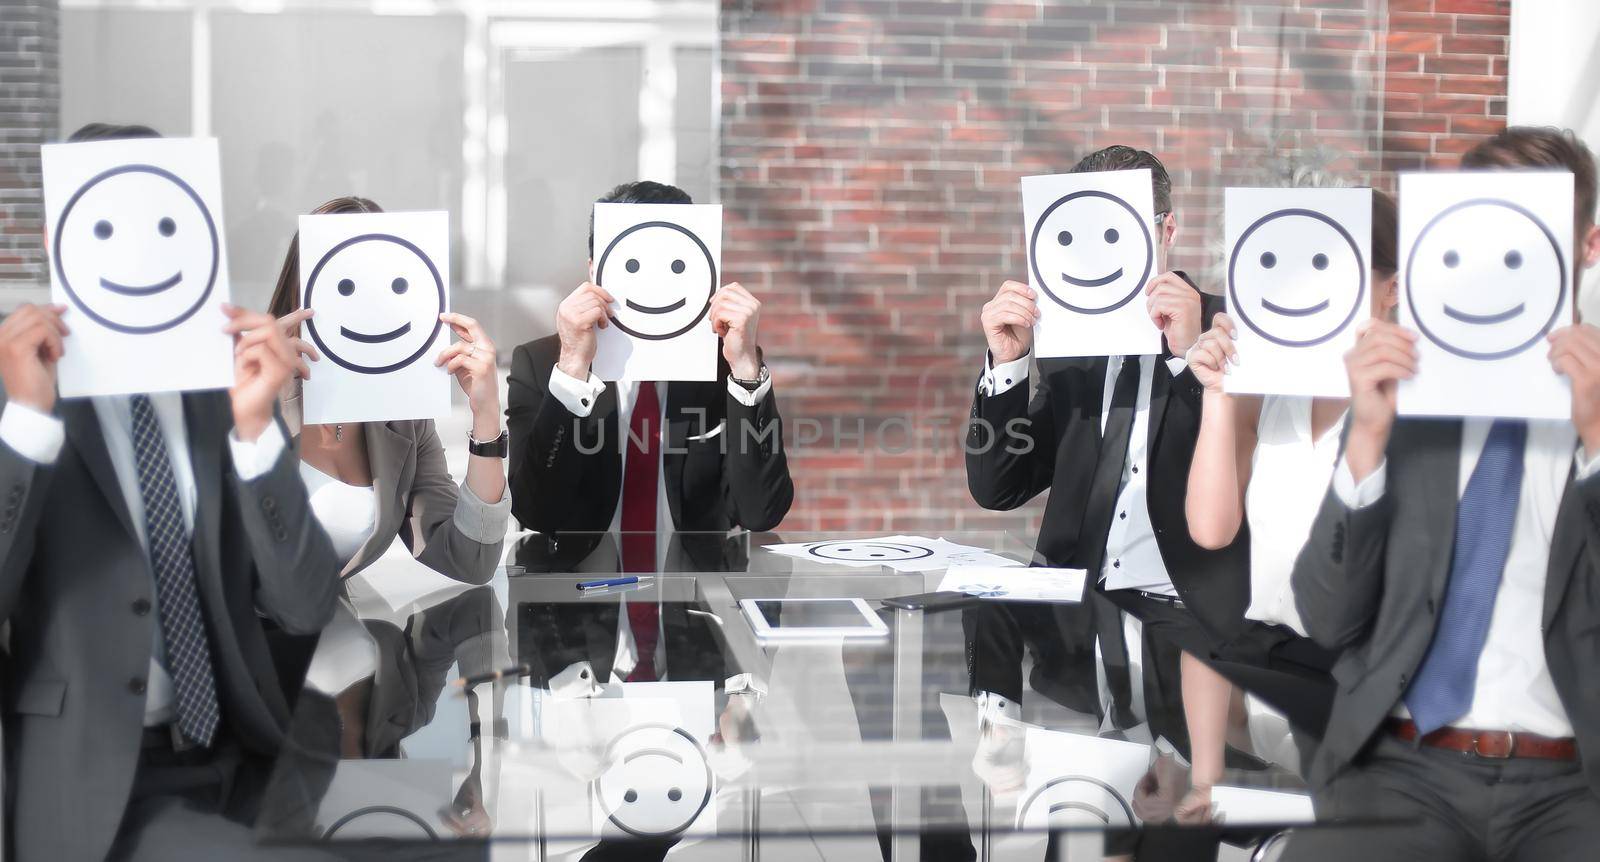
x=1511 y=745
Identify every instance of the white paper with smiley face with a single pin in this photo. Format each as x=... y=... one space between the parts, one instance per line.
x=1299 y=284
x=1091 y=250
x=1485 y=275
x=137 y=256
x=661 y=263
x=377 y=283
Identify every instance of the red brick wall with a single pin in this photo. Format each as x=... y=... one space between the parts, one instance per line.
x=871 y=149
x=29 y=93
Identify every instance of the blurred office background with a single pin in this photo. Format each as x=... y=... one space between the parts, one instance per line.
x=867 y=152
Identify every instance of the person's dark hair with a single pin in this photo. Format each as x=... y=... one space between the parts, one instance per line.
x=286 y=296
x=110 y=132
x=639 y=192
x=1124 y=158
x=1542 y=147
x=1385 y=234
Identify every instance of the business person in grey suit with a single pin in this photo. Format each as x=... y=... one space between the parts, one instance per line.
x=142 y=540
x=1455 y=563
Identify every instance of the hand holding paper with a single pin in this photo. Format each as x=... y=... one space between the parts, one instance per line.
x=30 y=346
x=263 y=362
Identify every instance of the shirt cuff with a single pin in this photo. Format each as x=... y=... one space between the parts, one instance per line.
x=484 y=523
x=1360 y=496
x=998 y=380
x=251 y=461
x=1176 y=365
x=33 y=435
x=747 y=397
x=578 y=396
x=992 y=706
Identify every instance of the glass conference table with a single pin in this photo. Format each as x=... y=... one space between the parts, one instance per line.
x=439 y=716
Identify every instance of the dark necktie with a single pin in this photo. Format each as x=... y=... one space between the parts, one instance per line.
x=172 y=558
x=1109 y=468
x=1442 y=690
x=640 y=479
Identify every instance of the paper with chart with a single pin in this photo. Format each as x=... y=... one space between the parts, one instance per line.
x=901 y=553
x=1016 y=584
x=661 y=263
x=1485 y=275
x=1299 y=278
x=377 y=283
x=1091 y=252
x=137 y=255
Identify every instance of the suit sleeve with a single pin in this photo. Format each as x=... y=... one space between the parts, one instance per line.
x=553 y=450
x=447 y=527
x=755 y=466
x=1338 y=576
x=24 y=484
x=1011 y=445
x=297 y=571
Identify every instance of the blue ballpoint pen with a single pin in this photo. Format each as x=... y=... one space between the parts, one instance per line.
x=608 y=582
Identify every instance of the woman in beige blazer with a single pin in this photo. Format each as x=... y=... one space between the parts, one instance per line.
x=373 y=482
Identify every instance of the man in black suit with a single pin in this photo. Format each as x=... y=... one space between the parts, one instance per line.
x=590 y=456
x=1454 y=563
x=1111 y=439
x=143 y=539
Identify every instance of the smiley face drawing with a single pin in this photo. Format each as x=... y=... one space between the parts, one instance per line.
x=1091 y=252
x=1075 y=800
x=136 y=249
x=657 y=782
x=1485 y=279
x=377 y=299
x=1296 y=277
x=662 y=277
x=868 y=552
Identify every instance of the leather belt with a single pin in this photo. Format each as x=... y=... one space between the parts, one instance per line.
x=1489 y=744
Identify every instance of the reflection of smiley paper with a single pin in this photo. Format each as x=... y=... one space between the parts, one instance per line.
x=1091 y=252
x=136 y=249
x=1074 y=800
x=377 y=300
x=662 y=276
x=1296 y=277
x=1485 y=300
x=657 y=783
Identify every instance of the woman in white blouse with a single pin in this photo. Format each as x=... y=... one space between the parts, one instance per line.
x=1265 y=460
x=373 y=482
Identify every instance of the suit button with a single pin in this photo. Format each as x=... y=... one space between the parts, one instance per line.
x=1403 y=681
x=282 y=535
x=141 y=606
x=1430 y=607
x=136 y=685
x=269 y=504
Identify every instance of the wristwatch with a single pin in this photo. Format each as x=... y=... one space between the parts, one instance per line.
x=499 y=447
x=755 y=384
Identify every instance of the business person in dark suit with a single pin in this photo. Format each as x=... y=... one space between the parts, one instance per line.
x=1454 y=562
x=1111 y=440
x=705 y=456
x=142 y=540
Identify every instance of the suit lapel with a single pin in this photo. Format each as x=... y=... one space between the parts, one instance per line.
x=386 y=455
x=205 y=459
x=1160 y=385
x=1566 y=548
x=83 y=428
x=1437 y=462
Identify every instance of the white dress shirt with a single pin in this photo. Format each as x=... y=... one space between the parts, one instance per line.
x=1513 y=690
x=579 y=397
x=39 y=438
x=1132 y=558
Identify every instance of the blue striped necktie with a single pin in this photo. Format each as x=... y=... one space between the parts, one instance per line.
x=172 y=559
x=1442 y=690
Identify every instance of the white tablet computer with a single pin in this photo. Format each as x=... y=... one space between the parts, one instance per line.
x=812 y=619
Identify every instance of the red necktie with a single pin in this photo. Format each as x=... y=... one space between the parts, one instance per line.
x=640 y=479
